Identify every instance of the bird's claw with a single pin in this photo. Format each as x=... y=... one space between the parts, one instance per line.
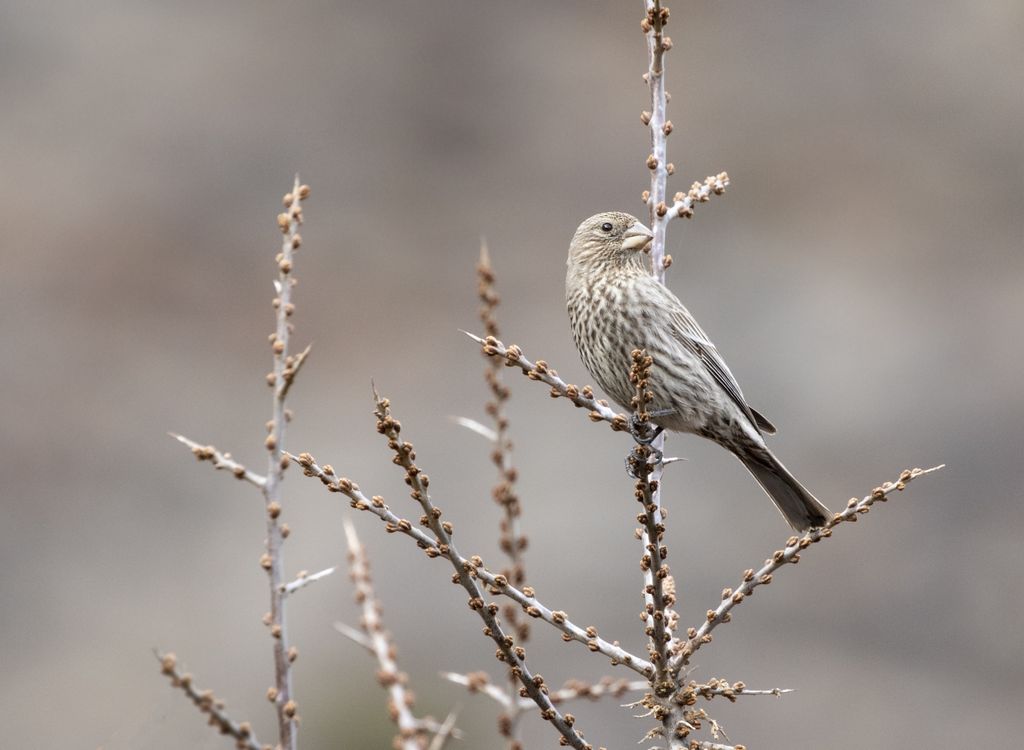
x=643 y=431
x=639 y=463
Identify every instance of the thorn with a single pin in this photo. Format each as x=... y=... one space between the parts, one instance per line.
x=474 y=426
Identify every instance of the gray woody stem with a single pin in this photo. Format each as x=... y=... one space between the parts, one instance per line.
x=409 y=730
x=497 y=583
x=790 y=554
x=540 y=371
x=208 y=703
x=285 y=369
x=220 y=461
x=479 y=682
x=514 y=656
x=657 y=163
x=511 y=539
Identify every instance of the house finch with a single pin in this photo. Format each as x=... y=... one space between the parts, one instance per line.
x=616 y=305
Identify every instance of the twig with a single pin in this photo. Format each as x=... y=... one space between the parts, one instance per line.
x=659 y=587
x=444 y=732
x=653 y=24
x=658 y=43
x=355 y=635
x=657 y=162
x=511 y=539
x=467 y=572
x=717 y=687
x=220 y=461
x=473 y=426
x=497 y=583
x=683 y=203
x=281 y=379
x=390 y=677
x=581 y=397
x=751 y=579
x=603 y=688
x=570 y=631
x=208 y=703
x=514 y=656
x=303 y=579
x=480 y=682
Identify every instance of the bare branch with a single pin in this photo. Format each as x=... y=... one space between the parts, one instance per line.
x=512 y=655
x=570 y=631
x=291 y=370
x=480 y=682
x=512 y=540
x=208 y=703
x=697 y=637
x=674 y=729
x=660 y=127
x=390 y=677
x=497 y=584
x=683 y=203
x=355 y=635
x=717 y=687
x=280 y=379
x=659 y=587
x=606 y=687
x=473 y=426
x=220 y=461
x=445 y=732
x=303 y=579
x=581 y=397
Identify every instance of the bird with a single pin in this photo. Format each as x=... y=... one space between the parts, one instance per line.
x=617 y=306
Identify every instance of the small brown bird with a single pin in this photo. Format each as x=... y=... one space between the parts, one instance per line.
x=616 y=305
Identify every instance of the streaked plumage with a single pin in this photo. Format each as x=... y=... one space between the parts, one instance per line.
x=615 y=305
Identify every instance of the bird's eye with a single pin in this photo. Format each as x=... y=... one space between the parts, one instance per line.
x=607 y=226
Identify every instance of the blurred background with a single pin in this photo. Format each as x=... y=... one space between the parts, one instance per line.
x=864 y=278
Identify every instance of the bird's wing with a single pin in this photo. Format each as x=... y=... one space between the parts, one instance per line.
x=688 y=332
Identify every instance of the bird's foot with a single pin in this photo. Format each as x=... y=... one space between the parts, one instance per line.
x=642 y=460
x=643 y=431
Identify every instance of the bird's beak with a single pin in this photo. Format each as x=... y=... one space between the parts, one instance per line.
x=637 y=237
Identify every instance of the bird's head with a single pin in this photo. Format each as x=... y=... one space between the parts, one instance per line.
x=610 y=239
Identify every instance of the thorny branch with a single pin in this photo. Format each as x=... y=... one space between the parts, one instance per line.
x=220 y=461
x=658 y=44
x=426 y=724
x=659 y=593
x=208 y=703
x=286 y=367
x=513 y=542
x=304 y=579
x=541 y=371
x=751 y=579
x=659 y=587
x=508 y=652
x=393 y=680
x=511 y=539
x=280 y=380
x=479 y=682
x=497 y=584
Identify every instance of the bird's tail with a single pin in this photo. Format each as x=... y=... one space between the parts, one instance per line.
x=801 y=509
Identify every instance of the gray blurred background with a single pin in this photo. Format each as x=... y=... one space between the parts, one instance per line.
x=864 y=278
